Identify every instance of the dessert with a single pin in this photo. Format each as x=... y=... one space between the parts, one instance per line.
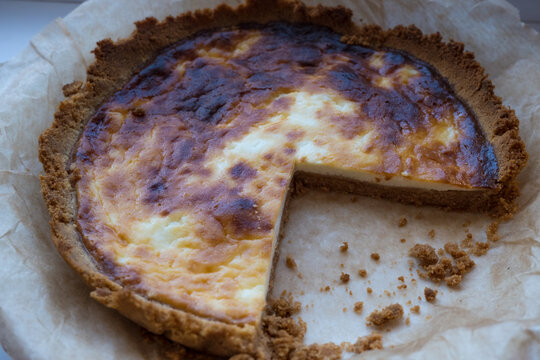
x=167 y=172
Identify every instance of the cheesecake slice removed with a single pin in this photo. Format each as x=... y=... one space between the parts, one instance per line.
x=167 y=173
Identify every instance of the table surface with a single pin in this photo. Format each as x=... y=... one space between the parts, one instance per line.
x=21 y=20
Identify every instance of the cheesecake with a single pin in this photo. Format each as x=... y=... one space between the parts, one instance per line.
x=167 y=172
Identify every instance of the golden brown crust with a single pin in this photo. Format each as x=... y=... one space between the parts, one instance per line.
x=117 y=62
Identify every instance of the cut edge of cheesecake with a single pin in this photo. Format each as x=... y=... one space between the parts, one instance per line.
x=117 y=62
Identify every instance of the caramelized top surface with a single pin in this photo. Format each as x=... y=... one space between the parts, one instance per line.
x=183 y=172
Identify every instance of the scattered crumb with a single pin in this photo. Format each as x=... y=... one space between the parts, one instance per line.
x=387 y=293
x=402 y=286
x=365 y=343
x=358 y=307
x=350 y=292
x=290 y=263
x=344 y=309
x=480 y=248
x=344 y=277
x=343 y=248
x=415 y=309
x=431 y=234
x=401 y=278
x=362 y=273
x=430 y=294
x=425 y=254
x=492 y=231
x=402 y=221
x=369 y=290
x=286 y=335
x=408 y=321
x=402 y=240
x=327 y=288
x=439 y=269
x=375 y=256
x=387 y=314
x=454 y=250
x=453 y=280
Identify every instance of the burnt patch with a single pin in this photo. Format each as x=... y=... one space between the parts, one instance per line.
x=242 y=171
x=239 y=216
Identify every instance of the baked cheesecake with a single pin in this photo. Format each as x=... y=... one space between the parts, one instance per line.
x=167 y=172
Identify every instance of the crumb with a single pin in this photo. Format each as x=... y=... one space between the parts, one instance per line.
x=428 y=317
x=467 y=242
x=286 y=335
x=300 y=276
x=341 y=265
x=439 y=269
x=358 y=307
x=425 y=254
x=327 y=288
x=454 y=250
x=431 y=234
x=466 y=223
x=365 y=343
x=344 y=309
x=402 y=221
x=387 y=314
x=419 y=298
x=343 y=248
x=375 y=256
x=453 y=280
x=415 y=309
x=290 y=263
x=402 y=240
x=430 y=294
x=387 y=293
x=344 y=277
x=402 y=286
x=408 y=321
x=362 y=273
x=480 y=248
x=369 y=290
x=440 y=252
x=492 y=231
x=401 y=278
x=350 y=292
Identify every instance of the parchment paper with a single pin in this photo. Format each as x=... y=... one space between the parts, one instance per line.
x=45 y=309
